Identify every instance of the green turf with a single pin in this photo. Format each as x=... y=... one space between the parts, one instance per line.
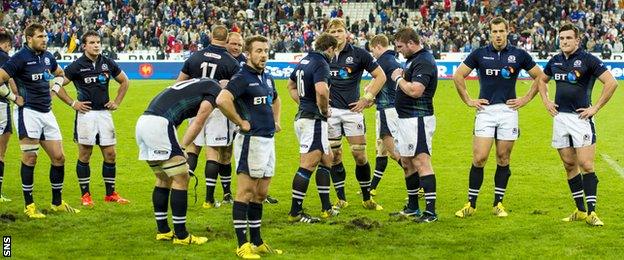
x=537 y=198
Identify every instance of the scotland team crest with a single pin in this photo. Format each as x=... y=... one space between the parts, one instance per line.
x=104 y=67
x=46 y=60
x=578 y=63
x=511 y=59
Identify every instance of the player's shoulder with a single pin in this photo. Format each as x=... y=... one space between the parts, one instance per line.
x=358 y=50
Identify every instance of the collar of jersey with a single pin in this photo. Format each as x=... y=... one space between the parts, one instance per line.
x=85 y=58
x=33 y=51
x=320 y=54
x=492 y=49
x=252 y=70
x=574 y=54
x=390 y=52
x=416 y=54
x=348 y=47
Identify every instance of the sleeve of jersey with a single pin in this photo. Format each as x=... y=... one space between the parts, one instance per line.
x=369 y=63
x=472 y=61
x=185 y=67
x=597 y=66
x=527 y=61
x=234 y=68
x=12 y=66
x=293 y=75
x=53 y=64
x=548 y=68
x=236 y=86
x=275 y=95
x=69 y=71
x=422 y=73
x=115 y=70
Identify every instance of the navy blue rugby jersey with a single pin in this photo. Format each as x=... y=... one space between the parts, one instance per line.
x=498 y=71
x=91 y=79
x=574 y=78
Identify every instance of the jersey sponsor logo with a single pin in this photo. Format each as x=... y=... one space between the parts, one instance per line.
x=83 y=70
x=102 y=78
x=488 y=58
x=304 y=62
x=31 y=63
x=222 y=138
x=343 y=73
x=571 y=76
x=507 y=72
x=261 y=100
x=304 y=146
x=46 y=75
x=578 y=63
x=511 y=59
x=254 y=84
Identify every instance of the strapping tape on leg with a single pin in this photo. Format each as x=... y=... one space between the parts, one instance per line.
x=335 y=144
x=175 y=168
x=358 y=147
x=30 y=148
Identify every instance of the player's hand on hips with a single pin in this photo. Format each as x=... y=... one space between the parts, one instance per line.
x=517 y=103
x=111 y=105
x=586 y=113
x=360 y=105
x=19 y=101
x=81 y=106
x=551 y=107
x=245 y=126
x=478 y=103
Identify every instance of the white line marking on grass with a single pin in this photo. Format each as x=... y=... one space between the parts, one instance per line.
x=613 y=164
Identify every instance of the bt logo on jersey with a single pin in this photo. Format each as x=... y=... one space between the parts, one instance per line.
x=571 y=76
x=492 y=72
x=260 y=100
x=90 y=80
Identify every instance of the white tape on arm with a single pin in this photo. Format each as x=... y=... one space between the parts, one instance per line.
x=58 y=83
x=5 y=92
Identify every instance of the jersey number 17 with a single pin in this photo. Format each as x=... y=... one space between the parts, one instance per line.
x=213 y=69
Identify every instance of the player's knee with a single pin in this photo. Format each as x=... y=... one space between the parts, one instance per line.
x=110 y=156
x=29 y=159
x=261 y=195
x=586 y=166
x=57 y=159
x=479 y=161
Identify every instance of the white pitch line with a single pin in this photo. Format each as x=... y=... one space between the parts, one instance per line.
x=613 y=164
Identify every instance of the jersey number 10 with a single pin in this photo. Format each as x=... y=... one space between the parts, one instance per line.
x=213 y=68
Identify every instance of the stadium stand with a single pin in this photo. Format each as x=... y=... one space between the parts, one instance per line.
x=178 y=26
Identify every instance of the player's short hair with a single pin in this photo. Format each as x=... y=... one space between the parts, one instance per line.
x=380 y=40
x=220 y=33
x=337 y=22
x=499 y=20
x=88 y=34
x=256 y=38
x=407 y=34
x=570 y=27
x=233 y=34
x=324 y=42
x=32 y=29
x=5 y=37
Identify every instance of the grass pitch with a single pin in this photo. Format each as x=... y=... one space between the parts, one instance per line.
x=537 y=197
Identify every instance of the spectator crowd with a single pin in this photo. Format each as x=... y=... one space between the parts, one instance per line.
x=444 y=25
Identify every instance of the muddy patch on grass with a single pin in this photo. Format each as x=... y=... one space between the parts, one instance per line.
x=364 y=223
